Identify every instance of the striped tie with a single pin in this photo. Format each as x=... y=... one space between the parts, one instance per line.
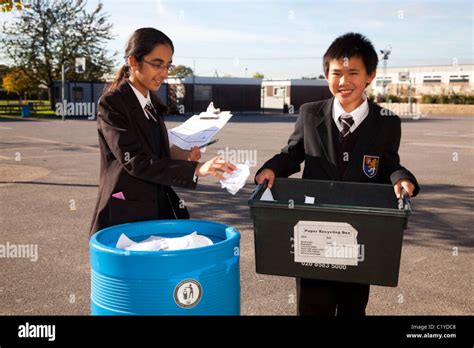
x=346 y=121
x=150 y=111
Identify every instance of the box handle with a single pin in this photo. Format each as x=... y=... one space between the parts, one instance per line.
x=404 y=202
x=259 y=187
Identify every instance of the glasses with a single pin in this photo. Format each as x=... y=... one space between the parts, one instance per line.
x=161 y=66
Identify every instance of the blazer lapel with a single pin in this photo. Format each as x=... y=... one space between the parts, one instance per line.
x=326 y=139
x=138 y=115
x=364 y=145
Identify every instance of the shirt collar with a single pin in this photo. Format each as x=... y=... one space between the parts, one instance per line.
x=359 y=114
x=143 y=100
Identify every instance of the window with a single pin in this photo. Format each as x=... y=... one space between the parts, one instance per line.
x=202 y=93
x=380 y=81
x=77 y=93
x=431 y=79
x=279 y=92
x=457 y=78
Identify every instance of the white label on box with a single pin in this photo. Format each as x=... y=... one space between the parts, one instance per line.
x=326 y=242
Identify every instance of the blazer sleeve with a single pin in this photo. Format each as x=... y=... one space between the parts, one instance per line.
x=125 y=146
x=391 y=167
x=288 y=161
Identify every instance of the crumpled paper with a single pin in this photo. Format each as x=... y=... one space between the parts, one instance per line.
x=235 y=181
x=154 y=243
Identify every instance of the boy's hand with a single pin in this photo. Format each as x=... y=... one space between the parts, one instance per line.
x=194 y=154
x=266 y=174
x=406 y=184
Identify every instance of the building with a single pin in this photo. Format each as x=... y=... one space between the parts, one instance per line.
x=292 y=92
x=440 y=79
x=78 y=93
x=192 y=94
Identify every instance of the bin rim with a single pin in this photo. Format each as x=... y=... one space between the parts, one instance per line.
x=232 y=235
x=252 y=202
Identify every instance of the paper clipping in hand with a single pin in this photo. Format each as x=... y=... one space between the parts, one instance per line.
x=199 y=129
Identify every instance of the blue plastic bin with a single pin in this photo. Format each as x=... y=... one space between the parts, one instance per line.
x=199 y=281
x=25 y=111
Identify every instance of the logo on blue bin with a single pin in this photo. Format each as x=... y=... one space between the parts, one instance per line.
x=187 y=293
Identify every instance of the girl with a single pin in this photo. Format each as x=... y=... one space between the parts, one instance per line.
x=137 y=169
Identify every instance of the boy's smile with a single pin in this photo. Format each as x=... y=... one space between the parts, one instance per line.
x=347 y=79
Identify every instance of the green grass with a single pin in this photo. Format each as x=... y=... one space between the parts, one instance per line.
x=42 y=110
x=15 y=102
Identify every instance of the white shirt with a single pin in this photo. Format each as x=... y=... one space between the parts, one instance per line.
x=143 y=100
x=358 y=114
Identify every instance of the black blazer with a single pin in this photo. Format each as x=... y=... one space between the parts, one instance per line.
x=313 y=142
x=135 y=160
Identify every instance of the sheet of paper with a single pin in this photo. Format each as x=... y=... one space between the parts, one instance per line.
x=308 y=199
x=326 y=242
x=197 y=131
x=267 y=195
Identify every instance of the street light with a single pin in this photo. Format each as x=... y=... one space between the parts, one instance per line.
x=385 y=54
x=80 y=68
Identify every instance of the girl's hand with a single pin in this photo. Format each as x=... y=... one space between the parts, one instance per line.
x=215 y=167
x=194 y=154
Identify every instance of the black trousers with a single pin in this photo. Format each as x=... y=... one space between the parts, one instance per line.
x=323 y=298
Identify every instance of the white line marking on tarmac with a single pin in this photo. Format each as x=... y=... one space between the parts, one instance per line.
x=20 y=148
x=49 y=156
x=5 y=128
x=58 y=142
x=452 y=135
x=441 y=145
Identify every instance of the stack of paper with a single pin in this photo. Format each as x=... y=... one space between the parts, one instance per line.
x=198 y=130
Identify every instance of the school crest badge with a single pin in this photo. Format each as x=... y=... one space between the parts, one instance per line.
x=370 y=165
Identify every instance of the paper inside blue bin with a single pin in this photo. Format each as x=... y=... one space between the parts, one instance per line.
x=155 y=243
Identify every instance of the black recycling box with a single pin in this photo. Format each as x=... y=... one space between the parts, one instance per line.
x=348 y=232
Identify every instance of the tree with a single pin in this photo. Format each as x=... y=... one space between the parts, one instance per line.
x=51 y=33
x=3 y=71
x=258 y=75
x=181 y=71
x=16 y=81
x=10 y=5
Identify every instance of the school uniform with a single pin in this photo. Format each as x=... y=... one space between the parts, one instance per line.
x=136 y=171
x=368 y=152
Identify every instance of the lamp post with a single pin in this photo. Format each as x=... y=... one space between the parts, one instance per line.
x=80 y=68
x=385 y=53
x=63 y=96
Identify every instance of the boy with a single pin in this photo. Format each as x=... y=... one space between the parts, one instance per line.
x=345 y=138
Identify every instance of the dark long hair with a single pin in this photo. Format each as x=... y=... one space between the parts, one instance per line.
x=141 y=43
